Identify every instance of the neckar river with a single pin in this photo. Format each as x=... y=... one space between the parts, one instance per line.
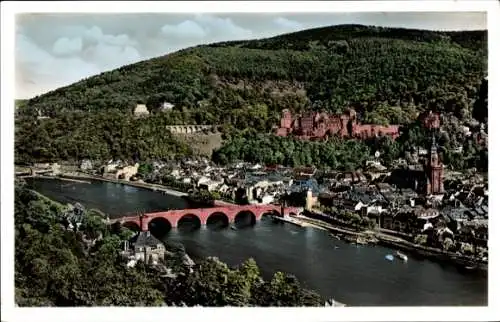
x=355 y=275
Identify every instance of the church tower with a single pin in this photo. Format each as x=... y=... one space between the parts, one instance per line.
x=435 y=171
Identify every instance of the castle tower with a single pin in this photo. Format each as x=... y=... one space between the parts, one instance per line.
x=285 y=123
x=286 y=119
x=349 y=122
x=435 y=171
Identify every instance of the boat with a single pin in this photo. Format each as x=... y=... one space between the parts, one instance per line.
x=402 y=256
x=233 y=227
x=389 y=257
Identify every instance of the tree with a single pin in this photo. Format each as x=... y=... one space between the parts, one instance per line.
x=285 y=290
x=480 y=108
x=145 y=169
x=93 y=224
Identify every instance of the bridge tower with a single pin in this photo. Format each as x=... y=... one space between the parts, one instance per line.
x=143 y=222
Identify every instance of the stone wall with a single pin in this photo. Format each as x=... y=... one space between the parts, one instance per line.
x=187 y=129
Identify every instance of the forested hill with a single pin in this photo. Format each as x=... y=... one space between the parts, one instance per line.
x=469 y=39
x=386 y=74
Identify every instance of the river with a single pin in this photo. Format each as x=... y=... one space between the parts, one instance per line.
x=355 y=275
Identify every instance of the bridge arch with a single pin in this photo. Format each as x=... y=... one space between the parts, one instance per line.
x=159 y=226
x=245 y=217
x=188 y=222
x=217 y=219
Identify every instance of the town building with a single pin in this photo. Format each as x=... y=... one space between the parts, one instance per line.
x=315 y=125
x=166 y=106
x=141 y=110
x=426 y=177
x=145 y=247
x=127 y=172
x=86 y=165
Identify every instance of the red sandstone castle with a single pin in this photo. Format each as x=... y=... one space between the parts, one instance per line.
x=315 y=125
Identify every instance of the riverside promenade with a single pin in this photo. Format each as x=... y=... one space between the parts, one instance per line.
x=149 y=186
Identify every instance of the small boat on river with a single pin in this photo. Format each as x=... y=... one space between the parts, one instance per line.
x=233 y=227
x=389 y=257
x=402 y=256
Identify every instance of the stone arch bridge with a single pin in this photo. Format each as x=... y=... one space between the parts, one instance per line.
x=203 y=214
x=188 y=129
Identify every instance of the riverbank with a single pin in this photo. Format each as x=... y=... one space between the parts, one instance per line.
x=362 y=237
x=316 y=223
x=171 y=246
x=60 y=178
x=143 y=185
x=397 y=243
x=294 y=221
x=345 y=273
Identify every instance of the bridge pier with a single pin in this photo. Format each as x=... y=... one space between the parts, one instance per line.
x=144 y=223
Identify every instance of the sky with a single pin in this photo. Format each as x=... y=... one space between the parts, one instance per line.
x=55 y=50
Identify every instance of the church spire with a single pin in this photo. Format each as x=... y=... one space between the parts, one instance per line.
x=435 y=174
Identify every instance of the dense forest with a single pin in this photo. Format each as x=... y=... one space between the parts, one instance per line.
x=330 y=68
x=269 y=149
x=388 y=75
x=57 y=266
x=100 y=136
